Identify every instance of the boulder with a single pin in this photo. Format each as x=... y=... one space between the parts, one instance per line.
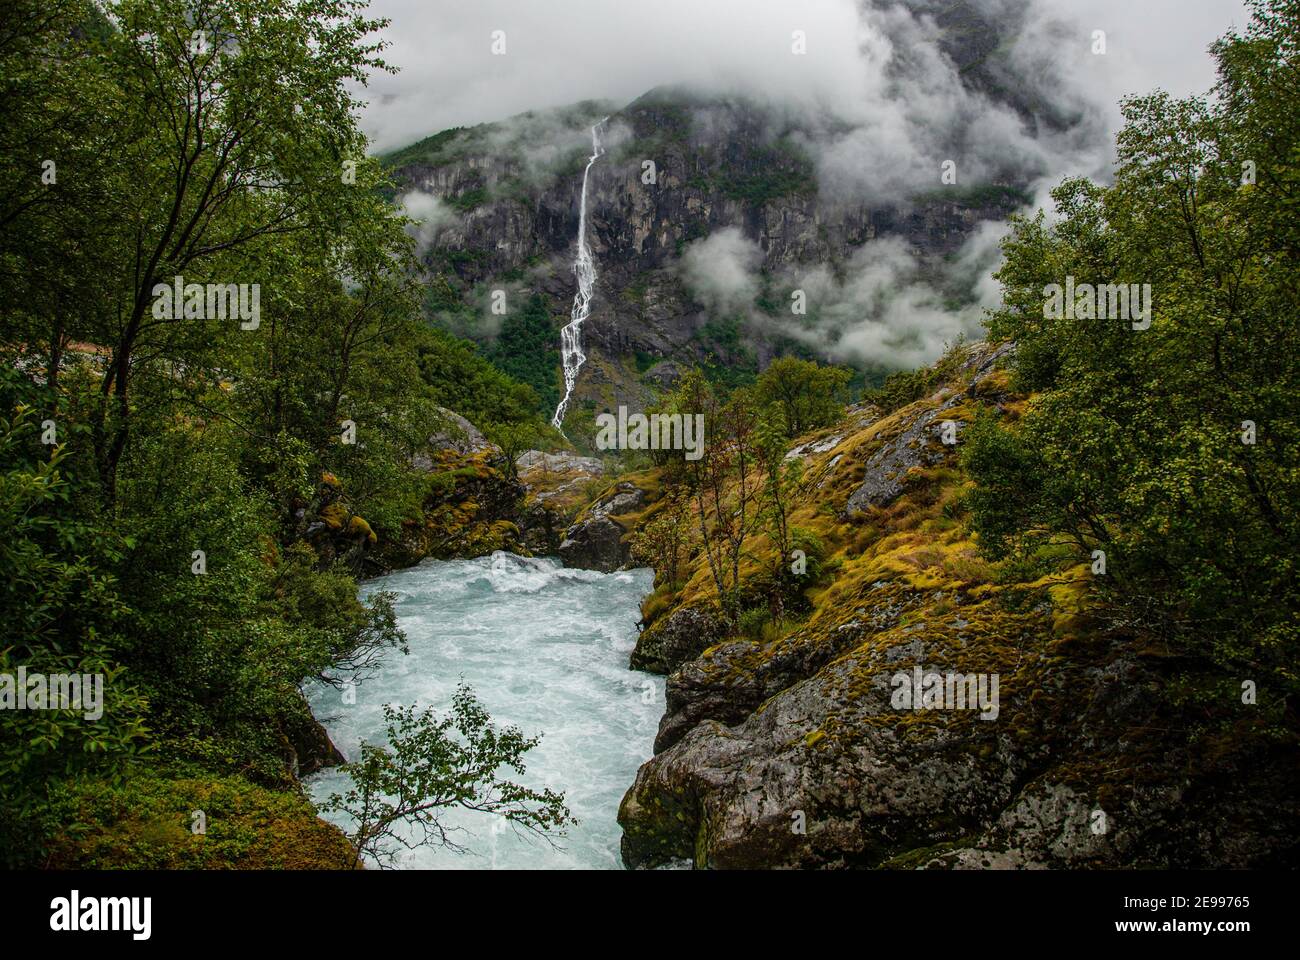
x=556 y=486
x=596 y=540
x=677 y=638
x=594 y=544
x=309 y=745
x=458 y=435
x=815 y=766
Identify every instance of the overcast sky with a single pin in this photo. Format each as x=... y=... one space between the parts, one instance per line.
x=562 y=51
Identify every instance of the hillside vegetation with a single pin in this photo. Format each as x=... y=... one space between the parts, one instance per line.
x=188 y=497
x=1100 y=512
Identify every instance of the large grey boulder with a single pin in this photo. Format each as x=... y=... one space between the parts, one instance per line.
x=681 y=636
x=458 y=435
x=596 y=541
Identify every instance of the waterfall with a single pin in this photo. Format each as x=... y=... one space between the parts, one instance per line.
x=585 y=269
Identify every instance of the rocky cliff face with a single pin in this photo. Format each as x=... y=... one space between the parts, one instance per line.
x=719 y=165
x=507 y=216
x=793 y=749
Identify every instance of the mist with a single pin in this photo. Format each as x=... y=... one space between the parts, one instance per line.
x=561 y=53
x=881 y=107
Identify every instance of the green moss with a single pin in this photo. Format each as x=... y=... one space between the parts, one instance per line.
x=468 y=200
x=357 y=527
x=334 y=515
x=776 y=177
x=149 y=823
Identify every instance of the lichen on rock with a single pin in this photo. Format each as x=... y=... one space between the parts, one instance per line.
x=787 y=748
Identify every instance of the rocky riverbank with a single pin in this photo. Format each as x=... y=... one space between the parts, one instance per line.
x=790 y=750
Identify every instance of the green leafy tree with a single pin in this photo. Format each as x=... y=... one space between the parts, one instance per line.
x=229 y=124
x=433 y=763
x=808 y=395
x=527 y=350
x=514 y=439
x=666 y=540
x=64 y=613
x=1173 y=449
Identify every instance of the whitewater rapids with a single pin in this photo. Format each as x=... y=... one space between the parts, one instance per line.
x=545 y=648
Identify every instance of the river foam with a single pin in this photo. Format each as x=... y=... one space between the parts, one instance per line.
x=544 y=647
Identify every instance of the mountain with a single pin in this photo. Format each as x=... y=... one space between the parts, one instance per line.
x=711 y=212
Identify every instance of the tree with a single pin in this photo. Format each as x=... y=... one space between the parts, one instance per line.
x=1174 y=447
x=807 y=394
x=666 y=539
x=55 y=167
x=433 y=763
x=783 y=487
x=229 y=124
x=724 y=492
x=513 y=439
x=64 y=613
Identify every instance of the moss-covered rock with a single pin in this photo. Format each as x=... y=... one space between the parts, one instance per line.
x=676 y=639
x=334 y=516
x=786 y=748
x=597 y=540
x=359 y=528
x=557 y=486
x=472 y=509
x=224 y=824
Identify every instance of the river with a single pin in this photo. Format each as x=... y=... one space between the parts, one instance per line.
x=545 y=648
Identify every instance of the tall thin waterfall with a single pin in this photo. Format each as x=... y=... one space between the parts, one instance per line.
x=585 y=268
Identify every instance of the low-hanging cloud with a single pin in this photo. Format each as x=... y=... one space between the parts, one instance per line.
x=880 y=106
x=430 y=215
x=877 y=102
x=887 y=306
x=721 y=270
x=570 y=50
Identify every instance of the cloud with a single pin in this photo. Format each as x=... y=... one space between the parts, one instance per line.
x=887 y=307
x=431 y=215
x=1149 y=44
x=880 y=107
x=721 y=270
x=569 y=50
